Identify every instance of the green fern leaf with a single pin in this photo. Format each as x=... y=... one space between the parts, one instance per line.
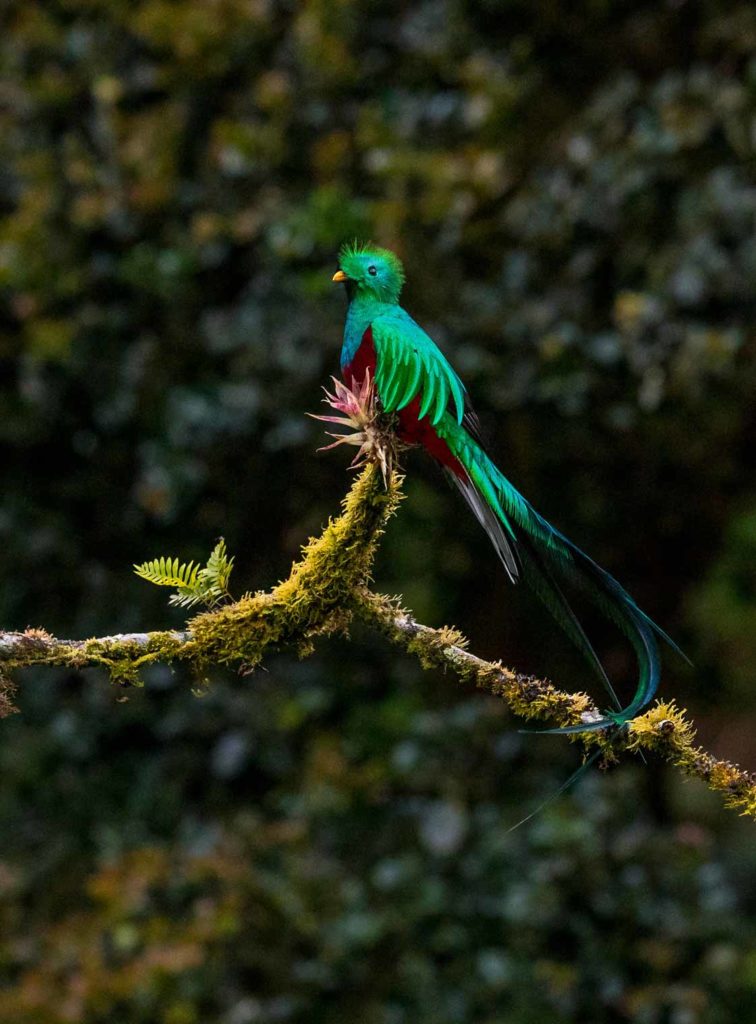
x=167 y=572
x=187 y=598
x=217 y=572
x=192 y=584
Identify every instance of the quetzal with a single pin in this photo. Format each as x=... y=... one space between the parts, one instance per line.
x=414 y=380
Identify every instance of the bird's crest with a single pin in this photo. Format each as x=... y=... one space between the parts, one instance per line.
x=372 y=268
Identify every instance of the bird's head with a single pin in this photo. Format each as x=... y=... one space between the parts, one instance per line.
x=368 y=270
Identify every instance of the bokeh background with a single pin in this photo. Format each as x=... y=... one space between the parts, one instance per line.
x=572 y=187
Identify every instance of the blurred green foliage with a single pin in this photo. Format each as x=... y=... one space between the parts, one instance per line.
x=572 y=189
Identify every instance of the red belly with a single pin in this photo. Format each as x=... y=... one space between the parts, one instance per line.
x=412 y=429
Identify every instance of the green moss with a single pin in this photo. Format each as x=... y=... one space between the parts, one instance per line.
x=315 y=598
x=434 y=647
x=663 y=726
x=665 y=730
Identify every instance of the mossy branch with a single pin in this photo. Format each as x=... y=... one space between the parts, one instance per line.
x=325 y=590
x=314 y=600
x=663 y=729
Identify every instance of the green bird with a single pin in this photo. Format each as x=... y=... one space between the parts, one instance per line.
x=414 y=381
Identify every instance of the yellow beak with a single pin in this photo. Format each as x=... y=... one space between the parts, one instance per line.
x=339 y=276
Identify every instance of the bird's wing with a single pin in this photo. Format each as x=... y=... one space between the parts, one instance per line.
x=408 y=363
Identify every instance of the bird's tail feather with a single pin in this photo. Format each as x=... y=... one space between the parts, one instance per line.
x=542 y=582
x=547 y=560
x=521 y=558
x=577 y=774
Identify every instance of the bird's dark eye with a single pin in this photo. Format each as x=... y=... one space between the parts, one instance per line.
x=372 y=271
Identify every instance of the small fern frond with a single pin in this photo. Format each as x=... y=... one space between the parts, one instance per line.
x=192 y=584
x=217 y=572
x=184 y=598
x=167 y=572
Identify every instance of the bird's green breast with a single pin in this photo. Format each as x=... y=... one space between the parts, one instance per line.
x=363 y=309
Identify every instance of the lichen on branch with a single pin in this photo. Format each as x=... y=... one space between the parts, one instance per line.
x=328 y=587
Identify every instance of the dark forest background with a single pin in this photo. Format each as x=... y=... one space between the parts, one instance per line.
x=572 y=188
